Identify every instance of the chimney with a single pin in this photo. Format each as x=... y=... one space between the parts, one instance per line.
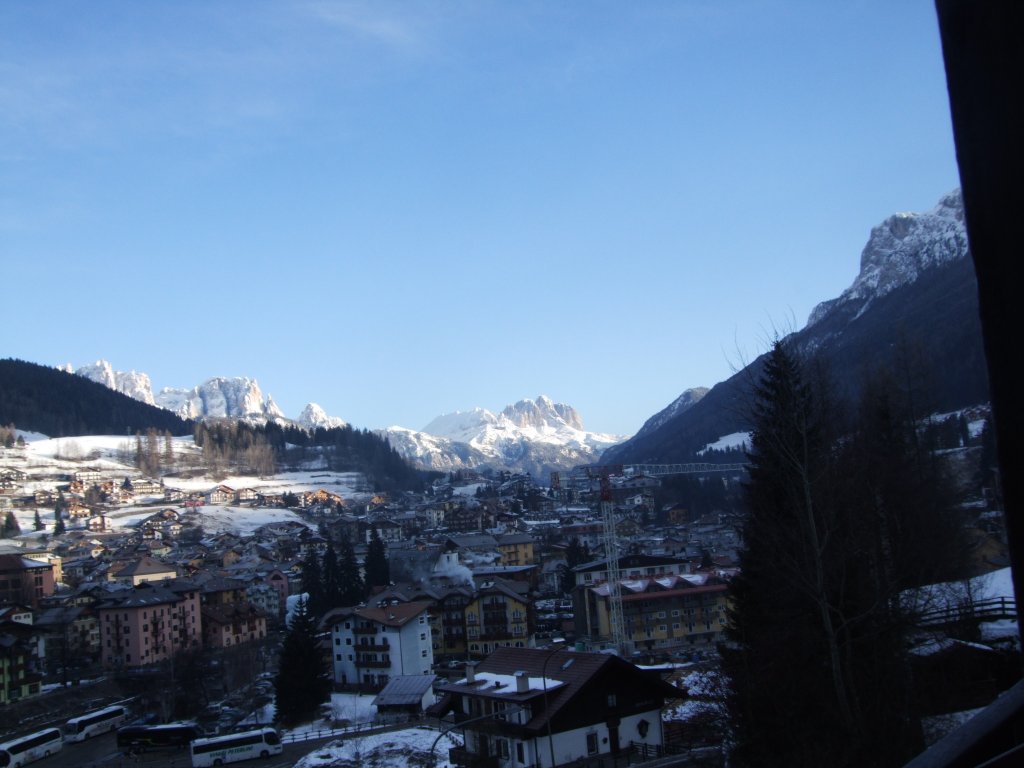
x=522 y=682
x=470 y=668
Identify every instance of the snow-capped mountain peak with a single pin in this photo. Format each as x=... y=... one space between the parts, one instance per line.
x=315 y=417
x=541 y=413
x=900 y=248
x=131 y=383
x=530 y=435
x=236 y=397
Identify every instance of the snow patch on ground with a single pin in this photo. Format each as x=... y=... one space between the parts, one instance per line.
x=735 y=440
x=412 y=747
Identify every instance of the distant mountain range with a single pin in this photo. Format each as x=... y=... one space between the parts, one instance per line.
x=915 y=298
x=915 y=292
x=536 y=436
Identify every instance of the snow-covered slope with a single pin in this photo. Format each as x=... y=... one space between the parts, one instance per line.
x=432 y=452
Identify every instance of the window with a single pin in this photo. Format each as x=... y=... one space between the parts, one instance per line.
x=591 y=743
x=611 y=700
x=520 y=756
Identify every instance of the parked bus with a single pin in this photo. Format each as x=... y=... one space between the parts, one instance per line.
x=235 y=747
x=32 y=747
x=139 y=738
x=93 y=723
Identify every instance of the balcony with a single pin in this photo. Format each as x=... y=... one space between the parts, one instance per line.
x=371 y=630
x=465 y=759
x=372 y=647
x=367 y=664
x=496 y=634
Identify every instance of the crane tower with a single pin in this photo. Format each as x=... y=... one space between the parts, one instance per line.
x=617 y=624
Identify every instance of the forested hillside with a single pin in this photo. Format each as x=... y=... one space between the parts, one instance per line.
x=37 y=398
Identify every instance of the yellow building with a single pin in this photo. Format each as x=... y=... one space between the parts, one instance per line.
x=498 y=616
x=517 y=549
x=660 y=614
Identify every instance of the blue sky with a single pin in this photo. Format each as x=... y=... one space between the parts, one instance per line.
x=401 y=209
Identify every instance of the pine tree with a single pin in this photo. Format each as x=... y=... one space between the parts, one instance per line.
x=331 y=573
x=349 y=577
x=378 y=573
x=168 y=456
x=786 y=713
x=11 y=527
x=313 y=583
x=843 y=520
x=301 y=684
x=37 y=522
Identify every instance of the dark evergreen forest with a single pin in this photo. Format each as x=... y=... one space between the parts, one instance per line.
x=37 y=398
x=263 y=447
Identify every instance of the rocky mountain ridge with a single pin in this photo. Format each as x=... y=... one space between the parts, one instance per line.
x=915 y=297
x=536 y=436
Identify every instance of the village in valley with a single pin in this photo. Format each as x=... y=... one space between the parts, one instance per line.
x=501 y=621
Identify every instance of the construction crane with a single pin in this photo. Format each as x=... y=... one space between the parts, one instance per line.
x=616 y=620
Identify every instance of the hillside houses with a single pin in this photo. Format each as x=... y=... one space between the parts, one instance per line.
x=477 y=557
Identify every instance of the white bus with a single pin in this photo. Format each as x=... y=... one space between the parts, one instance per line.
x=234 y=747
x=28 y=748
x=88 y=725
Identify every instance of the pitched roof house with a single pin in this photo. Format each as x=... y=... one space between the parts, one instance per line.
x=545 y=707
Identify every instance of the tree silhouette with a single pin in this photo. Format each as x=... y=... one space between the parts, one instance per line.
x=844 y=519
x=378 y=573
x=301 y=684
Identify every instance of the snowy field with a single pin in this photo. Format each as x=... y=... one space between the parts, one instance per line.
x=395 y=749
x=49 y=460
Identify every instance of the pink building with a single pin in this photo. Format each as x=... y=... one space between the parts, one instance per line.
x=149 y=624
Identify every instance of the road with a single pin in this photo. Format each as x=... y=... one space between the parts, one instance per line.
x=102 y=752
